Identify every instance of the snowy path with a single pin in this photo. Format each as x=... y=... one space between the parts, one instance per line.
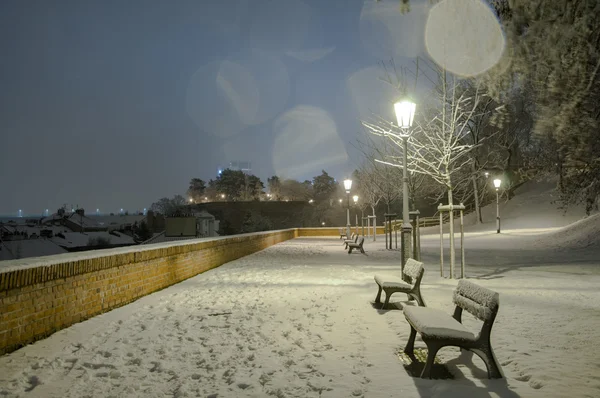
x=296 y=320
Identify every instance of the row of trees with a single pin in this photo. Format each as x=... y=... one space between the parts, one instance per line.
x=235 y=185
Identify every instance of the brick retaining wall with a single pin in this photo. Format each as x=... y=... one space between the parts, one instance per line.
x=40 y=296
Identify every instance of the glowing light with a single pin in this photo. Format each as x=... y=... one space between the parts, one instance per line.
x=347 y=185
x=497 y=183
x=405 y=113
x=355 y=198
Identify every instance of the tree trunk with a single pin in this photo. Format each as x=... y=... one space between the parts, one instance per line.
x=478 y=219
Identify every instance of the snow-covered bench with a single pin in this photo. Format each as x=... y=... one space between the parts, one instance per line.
x=438 y=329
x=357 y=245
x=413 y=270
x=352 y=239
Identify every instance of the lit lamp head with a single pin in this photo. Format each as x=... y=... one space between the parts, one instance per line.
x=487 y=174
x=355 y=199
x=405 y=113
x=191 y=200
x=347 y=185
x=497 y=183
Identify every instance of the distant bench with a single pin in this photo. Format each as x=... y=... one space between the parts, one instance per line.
x=438 y=329
x=413 y=270
x=357 y=245
x=353 y=239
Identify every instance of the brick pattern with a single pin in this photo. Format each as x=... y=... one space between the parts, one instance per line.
x=36 y=302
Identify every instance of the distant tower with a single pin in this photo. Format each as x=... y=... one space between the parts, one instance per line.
x=241 y=165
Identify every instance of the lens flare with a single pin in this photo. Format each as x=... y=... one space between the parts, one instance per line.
x=306 y=142
x=464 y=36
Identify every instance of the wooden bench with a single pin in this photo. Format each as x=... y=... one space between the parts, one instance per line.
x=438 y=329
x=353 y=239
x=342 y=233
x=413 y=271
x=357 y=245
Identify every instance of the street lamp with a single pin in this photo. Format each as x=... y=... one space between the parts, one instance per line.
x=405 y=113
x=347 y=186
x=497 y=183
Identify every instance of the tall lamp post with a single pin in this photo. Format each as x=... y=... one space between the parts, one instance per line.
x=405 y=113
x=355 y=199
x=347 y=186
x=497 y=183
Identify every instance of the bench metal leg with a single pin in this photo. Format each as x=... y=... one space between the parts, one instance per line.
x=378 y=298
x=410 y=346
x=488 y=357
x=417 y=296
x=387 y=299
x=432 y=349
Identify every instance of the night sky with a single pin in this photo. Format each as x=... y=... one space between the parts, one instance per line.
x=113 y=104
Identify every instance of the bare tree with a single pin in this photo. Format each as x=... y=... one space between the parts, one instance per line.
x=436 y=142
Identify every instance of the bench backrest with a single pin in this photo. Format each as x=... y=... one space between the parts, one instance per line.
x=361 y=240
x=413 y=271
x=483 y=303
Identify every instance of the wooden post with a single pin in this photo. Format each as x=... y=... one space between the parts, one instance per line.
x=462 y=243
x=441 y=243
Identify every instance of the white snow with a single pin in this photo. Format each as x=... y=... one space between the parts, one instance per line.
x=434 y=322
x=297 y=320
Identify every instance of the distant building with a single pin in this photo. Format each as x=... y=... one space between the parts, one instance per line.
x=197 y=225
x=238 y=165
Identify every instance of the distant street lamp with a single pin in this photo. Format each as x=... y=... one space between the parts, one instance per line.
x=405 y=113
x=347 y=186
x=222 y=196
x=497 y=183
x=191 y=200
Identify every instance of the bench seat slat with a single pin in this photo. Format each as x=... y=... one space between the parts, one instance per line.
x=436 y=325
x=390 y=283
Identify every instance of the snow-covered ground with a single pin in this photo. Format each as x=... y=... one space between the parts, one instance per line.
x=296 y=320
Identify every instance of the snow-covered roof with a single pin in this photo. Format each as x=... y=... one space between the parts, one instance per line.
x=26 y=248
x=86 y=221
x=160 y=238
x=78 y=239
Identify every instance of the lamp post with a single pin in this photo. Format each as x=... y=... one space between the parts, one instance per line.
x=347 y=186
x=405 y=112
x=497 y=183
x=355 y=199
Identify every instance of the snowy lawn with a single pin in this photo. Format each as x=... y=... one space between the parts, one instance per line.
x=297 y=320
